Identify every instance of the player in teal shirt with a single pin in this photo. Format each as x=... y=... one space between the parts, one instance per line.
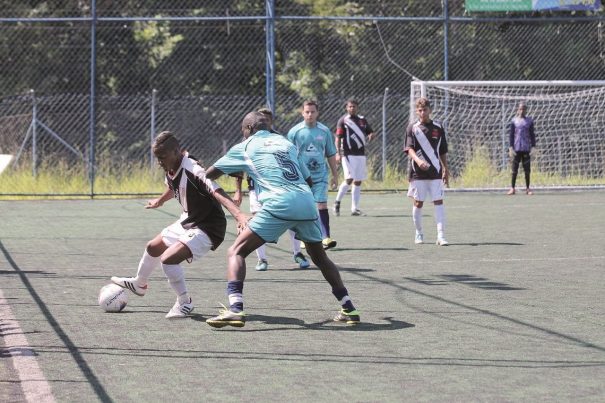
x=315 y=144
x=287 y=203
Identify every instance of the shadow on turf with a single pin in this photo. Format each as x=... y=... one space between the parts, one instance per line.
x=466 y=279
x=283 y=323
x=337 y=249
x=486 y=243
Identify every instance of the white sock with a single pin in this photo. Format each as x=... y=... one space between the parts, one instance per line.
x=417 y=217
x=440 y=220
x=261 y=252
x=356 y=193
x=147 y=265
x=295 y=243
x=176 y=278
x=342 y=191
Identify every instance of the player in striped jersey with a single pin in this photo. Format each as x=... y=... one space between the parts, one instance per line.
x=200 y=228
x=352 y=133
x=426 y=147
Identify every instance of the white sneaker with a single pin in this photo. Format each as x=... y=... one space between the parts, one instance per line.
x=442 y=242
x=180 y=310
x=129 y=283
x=419 y=238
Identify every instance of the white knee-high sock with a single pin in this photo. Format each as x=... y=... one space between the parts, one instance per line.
x=440 y=220
x=342 y=191
x=261 y=252
x=295 y=243
x=176 y=278
x=356 y=193
x=417 y=217
x=147 y=265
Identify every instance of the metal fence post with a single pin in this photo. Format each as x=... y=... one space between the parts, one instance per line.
x=152 y=134
x=93 y=95
x=34 y=133
x=384 y=133
x=270 y=44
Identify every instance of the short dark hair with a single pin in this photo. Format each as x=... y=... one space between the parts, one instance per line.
x=256 y=121
x=352 y=101
x=423 y=102
x=311 y=102
x=266 y=111
x=166 y=140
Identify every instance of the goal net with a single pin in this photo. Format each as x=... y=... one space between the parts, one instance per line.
x=569 y=120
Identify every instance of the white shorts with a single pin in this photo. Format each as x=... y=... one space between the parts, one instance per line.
x=420 y=189
x=195 y=239
x=354 y=167
x=255 y=205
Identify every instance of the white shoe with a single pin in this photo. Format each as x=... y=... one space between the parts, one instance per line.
x=129 y=283
x=419 y=238
x=180 y=310
x=442 y=242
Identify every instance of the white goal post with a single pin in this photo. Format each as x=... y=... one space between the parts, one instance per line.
x=569 y=124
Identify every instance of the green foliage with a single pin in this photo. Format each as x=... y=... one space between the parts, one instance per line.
x=478 y=172
x=156 y=38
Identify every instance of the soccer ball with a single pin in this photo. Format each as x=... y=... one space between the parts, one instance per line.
x=113 y=298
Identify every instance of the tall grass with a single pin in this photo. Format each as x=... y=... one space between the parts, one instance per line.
x=65 y=180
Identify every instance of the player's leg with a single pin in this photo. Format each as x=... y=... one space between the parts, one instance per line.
x=192 y=245
x=263 y=227
x=437 y=192
x=344 y=186
x=417 y=192
x=356 y=196
x=320 y=193
x=299 y=257
x=526 y=161
x=310 y=232
x=515 y=172
x=261 y=252
x=359 y=173
x=149 y=261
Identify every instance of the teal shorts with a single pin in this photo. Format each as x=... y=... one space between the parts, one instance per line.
x=320 y=191
x=270 y=228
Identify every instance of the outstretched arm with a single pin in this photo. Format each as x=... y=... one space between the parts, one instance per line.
x=213 y=173
x=155 y=203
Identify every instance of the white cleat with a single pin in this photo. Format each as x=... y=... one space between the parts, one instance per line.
x=180 y=310
x=419 y=238
x=129 y=283
x=441 y=242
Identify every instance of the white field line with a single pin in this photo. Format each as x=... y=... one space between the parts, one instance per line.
x=34 y=385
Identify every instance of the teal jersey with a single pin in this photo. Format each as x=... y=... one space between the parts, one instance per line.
x=272 y=162
x=314 y=144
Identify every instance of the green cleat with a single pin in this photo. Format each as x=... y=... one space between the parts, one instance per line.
x=350 y=317
x=227 y=318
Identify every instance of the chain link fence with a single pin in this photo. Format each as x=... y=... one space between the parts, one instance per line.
x=85 y=86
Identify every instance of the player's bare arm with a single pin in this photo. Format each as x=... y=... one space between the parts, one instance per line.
x=226 y=201
x=213 y=174
x=421 y=164
x=237 y=196
x=445 y=171
x=334 y=169
x=337 y=142
x=159 y=202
